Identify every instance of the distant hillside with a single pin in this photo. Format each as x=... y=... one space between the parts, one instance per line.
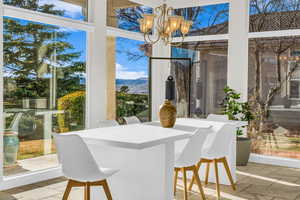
x=136 y=86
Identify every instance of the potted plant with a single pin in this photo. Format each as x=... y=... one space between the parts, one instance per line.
x=237 y=110
x=10 y=147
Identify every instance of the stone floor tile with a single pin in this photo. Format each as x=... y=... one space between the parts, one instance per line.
x=254 y=182
x=6 y=196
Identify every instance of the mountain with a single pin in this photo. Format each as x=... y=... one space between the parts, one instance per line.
x=136 y=86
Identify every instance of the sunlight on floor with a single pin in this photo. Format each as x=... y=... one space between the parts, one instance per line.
x=268 y=179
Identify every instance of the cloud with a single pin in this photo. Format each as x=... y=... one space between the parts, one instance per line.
x=71 y=10
x=123 y=73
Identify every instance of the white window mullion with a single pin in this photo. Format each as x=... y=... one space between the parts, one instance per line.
x=116 y=32
x=195 y=3
x=1 y=94
x=282 y=33
x=96 y=73
x=237 y=73
x=25 y=14
x=202 y=38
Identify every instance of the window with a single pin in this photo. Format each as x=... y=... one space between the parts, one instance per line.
x=125 y=14
x=208 y=74
x=44 y=91
x=294 y=82
x=295 y=89
x=274 y=96
x=130 y=81
x=207 y=20
x=267 y=15
x=74 y=9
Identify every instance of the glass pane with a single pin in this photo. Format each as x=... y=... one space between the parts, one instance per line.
x=207 y=20
x=132 y=78
x=274 y=96
x=180 y=70
x=268 y=15
x=44 y=91
x=74 y=9
x=208 y=74
x=295 y=89
x=125 y=14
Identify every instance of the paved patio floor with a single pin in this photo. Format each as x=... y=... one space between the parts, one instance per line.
x=255 y=182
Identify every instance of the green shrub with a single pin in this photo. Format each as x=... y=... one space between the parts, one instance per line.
x=73 y=105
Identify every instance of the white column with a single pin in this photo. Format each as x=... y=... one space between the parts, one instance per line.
x=160 y=73
x=96 y=70
x=1 y=92
x=238 y=47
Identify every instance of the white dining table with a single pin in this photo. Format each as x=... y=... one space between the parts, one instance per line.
x=145 y=155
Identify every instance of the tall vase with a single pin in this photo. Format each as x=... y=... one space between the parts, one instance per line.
x=167 y=114
x=11 y=147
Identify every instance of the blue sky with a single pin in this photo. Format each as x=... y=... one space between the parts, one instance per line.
x=125 y=68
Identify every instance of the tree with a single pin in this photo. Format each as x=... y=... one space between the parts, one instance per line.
x=124 y=89
x=269 y=15
x=32 y=49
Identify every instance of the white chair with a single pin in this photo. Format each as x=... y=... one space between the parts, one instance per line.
x=132 y=120
x=188 y=159
x=79 y=166
x=14 y=125
x=214 y=151
x=219 y=118
x=108 y=123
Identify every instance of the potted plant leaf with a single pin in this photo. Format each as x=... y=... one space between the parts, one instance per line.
x=237 y=110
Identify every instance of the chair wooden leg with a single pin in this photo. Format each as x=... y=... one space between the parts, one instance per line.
x=67 y=191
x=185 y=184
x=106 y=190
x=175 y=180
x=197 y=179
x=193 y=178
x=87 y=191
x=207 y=173
x=191 y=183
x=217 y=178
x=225 y=163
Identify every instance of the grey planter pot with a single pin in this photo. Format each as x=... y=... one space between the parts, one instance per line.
x=243 y=149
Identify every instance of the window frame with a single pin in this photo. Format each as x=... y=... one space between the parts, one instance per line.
x=34 y=16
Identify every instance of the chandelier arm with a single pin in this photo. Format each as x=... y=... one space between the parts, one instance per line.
x=169 y=11
x=179 y=43
x=158 y=37
x=159 y=19
x=157 y=9
x=148 y=40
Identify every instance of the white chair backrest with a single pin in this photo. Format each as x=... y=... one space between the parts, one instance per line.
x=218 y=143
x=191 y=153
x=108 y=123
x=75 y=157
x=219 y=118
x=14 y=126
x=132 y=120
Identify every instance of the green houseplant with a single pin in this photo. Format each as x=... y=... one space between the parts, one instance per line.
x=237 y=110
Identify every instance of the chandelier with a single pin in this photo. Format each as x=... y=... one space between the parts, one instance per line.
x=167 y=24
